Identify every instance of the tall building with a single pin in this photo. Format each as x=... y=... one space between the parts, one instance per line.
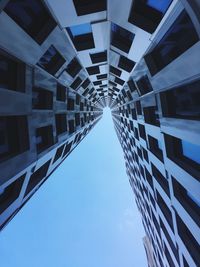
x=62 y=62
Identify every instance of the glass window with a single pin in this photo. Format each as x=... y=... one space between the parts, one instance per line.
x=52 y=60
x=161 y=5
x=32 y=16
x=191 y=151
x=81 y=29
x=180 y=37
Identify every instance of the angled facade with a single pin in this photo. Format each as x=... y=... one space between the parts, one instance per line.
x=62 y=62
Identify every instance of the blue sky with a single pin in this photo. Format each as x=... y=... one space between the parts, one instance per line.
x=83 y=216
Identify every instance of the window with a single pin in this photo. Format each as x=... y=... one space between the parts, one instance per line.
x=32 y=17
x=70 y=104
x=84 y=7
x=71 y=126
x=93 y=70
x=51 y=61
x=85 y=84
x=61 y=124
x=76 y=83
x=180 y=37
x=42 y=99
x=138 y=107
x=147 y=14
x=73 y=68
x=182 y=102
x=58 y=153
x=142 y=131
x=61 y=92
x=12 y=73
x=121 y=38
x=144 y=85
x=165 y=210
x=190 y=203
x=115 y=71
x=77 y=119
x=9 y=194
x=151 y=115
x=163 y=182
x=14 y=136
x=119 y=81
x=126 y=64
x=37 y=177
x=98 y=57
x=67 y=149
x=184 y=153
x=188 y=239
x=81 y=36
x=155 y=147
x=101 y=76
x=44 y=138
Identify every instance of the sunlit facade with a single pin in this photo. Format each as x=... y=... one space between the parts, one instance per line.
x=62 y=62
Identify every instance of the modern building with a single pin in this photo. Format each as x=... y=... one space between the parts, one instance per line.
x=62 y=62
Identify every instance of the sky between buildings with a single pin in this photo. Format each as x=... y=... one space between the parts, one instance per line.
x=83 y=216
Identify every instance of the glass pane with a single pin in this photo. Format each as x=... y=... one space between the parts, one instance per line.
x=81 y=29
x=161 y=5
x=191 y=151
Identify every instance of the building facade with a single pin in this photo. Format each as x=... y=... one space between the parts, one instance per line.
x=62 y=62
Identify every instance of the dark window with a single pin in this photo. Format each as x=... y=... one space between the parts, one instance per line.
x=167 y=235
x=101 y=76
x=188 y=239
x=84 y=7
x=12 y=73
x=131 y=85
x=151 y=115
x=77 y=119
x=187 y=200
x=81 y=36
x=180 y=37
x=98 y=57
x=142 y=131
x=14 y=136
x=168 y=256
x=93 y=70
x=185 y=154
x=138 y=107
x=78 y=99
x=119 y=81
x=76 y=83
x=37 y=177
x=9 y=194
x=115 y=71
x=73 y=68
x=144 y=85
x=185 y=262
x=85 y=84
x=126 y=64
x=58 y=153
x=51 y=61
x=61 y=123
x=165 y=210
x=182 y=102
x=42 y=99
x=163 y=182
x=147 y=14
x=70 y=104
x=61 y=92
x=67 y=149
x=44 y=138
x=155 y=147
x=97 y=82
x=33 y=17
x=71 y=126
x=121 y=38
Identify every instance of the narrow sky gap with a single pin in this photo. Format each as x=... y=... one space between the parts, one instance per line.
x=84 y=216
